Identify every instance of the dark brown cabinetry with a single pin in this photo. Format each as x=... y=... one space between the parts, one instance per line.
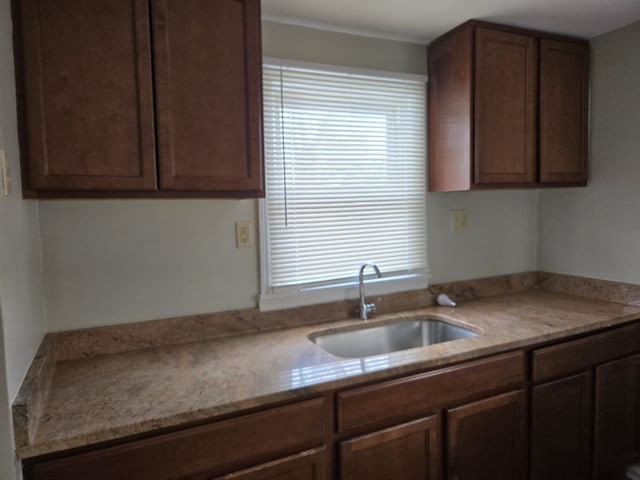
x=506 y=70
x=617 y=420
x=487 y=439
x=101 y=84
x=507 y=108
x=485 y=433
x=282 y=443
x=87 y=95
x=564 y=87
x=561 y=428
x=585 y=411
x=410 y=451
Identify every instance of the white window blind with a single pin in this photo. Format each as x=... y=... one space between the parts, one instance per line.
x=345 y=177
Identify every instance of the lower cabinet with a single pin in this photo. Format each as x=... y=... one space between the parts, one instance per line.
x=282 y=443
x=487 y=439
x=409 y=451
x=561 y=429
x=585 y=408
x=617 y=417
x=472 y=424
x=309 y=465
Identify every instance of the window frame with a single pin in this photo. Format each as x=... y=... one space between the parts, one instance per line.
x=348 y=289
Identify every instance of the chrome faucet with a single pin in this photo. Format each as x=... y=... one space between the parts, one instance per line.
x=366 y=308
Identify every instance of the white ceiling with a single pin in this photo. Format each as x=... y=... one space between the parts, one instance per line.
x=423 y=20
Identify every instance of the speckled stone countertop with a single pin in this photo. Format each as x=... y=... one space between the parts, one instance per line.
x=89 y=396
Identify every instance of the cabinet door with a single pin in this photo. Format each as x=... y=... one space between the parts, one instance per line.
x=86 y=97
x=506 y=82
x=487 y=439
x=208 y=81
x=617 y=417
x=564 y=93
x=309 y=465
x=561 y=420
x=409 y=451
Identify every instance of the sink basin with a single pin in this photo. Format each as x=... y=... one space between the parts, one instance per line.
x=376 y=340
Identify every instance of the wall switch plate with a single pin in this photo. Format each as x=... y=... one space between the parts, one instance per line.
x=460 y=220
x=4 y=173
x=244 y=236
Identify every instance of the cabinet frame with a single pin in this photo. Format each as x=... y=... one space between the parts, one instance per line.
x=457 y=128
x=140 y=172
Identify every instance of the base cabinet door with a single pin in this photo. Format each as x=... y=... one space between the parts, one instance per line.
x=309 y=465
x=617 y=417
x=409 y=451
x=487 y=439
x=561 y=416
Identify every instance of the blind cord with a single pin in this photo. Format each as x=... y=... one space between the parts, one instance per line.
x=284 y=152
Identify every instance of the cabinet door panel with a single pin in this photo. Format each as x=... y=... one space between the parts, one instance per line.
x=561 y=416
x=309 y=465
x=564 y=87
x=87 y=95
x=506 y=73
x=409 y=451
x=487 y=439
x=617 y=419
x=208 y=66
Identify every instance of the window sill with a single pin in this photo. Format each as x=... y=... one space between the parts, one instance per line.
x=345 y=291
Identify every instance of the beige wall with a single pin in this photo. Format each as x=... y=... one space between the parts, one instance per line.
x=22 y=323
x=595 y=231
x=109 y=262
x=333 y=48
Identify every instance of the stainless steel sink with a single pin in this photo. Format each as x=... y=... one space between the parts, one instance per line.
x=372 y=340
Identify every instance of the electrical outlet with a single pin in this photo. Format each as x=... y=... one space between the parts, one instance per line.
x=244 y=238
x=4 y=169
x=460 y=220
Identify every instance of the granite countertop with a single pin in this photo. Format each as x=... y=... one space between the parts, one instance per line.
x=71 y=401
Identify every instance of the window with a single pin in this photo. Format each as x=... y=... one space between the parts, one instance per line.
x=345 y=177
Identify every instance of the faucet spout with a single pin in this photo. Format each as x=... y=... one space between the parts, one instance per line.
x=366 y=308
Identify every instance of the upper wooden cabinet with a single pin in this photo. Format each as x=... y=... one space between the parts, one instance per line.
x=507 y=108
x=564 y=87
x=101 y=84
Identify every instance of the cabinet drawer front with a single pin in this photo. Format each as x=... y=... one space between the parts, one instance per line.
x=577 y=355
x=409 y=397
x=210 y=449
